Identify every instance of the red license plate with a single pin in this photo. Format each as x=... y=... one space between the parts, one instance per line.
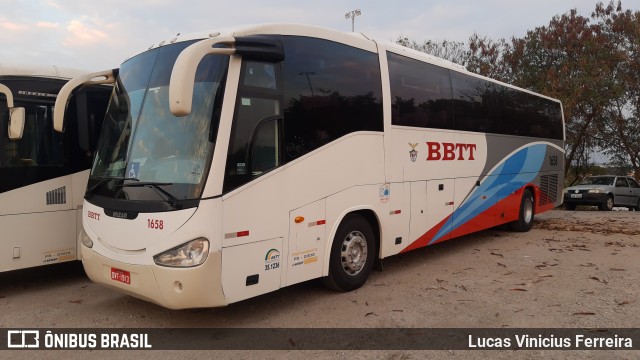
x=121 y=276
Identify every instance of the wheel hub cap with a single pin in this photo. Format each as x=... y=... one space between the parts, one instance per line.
x=354 y=253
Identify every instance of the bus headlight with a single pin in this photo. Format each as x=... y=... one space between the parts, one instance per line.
x=85 y=239
x=191 y=254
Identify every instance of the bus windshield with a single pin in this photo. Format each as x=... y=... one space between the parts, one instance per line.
x=145 y=153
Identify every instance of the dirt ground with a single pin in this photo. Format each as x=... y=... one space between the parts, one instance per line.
x=574 y=269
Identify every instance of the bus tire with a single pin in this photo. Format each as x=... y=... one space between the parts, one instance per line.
x=525 y=215
x=352 y=254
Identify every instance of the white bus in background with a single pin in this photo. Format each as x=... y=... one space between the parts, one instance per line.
x=233 y=165
x=43 y=173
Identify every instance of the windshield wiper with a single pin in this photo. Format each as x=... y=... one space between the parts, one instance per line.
x=167 y=196
x=101 y=181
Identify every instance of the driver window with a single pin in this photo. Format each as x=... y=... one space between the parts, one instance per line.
x=265 y=152
x=253 y=123
x=255 y=133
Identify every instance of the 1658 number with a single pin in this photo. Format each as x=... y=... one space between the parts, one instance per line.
x=155 y=224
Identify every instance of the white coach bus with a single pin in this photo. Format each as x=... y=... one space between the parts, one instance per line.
x=233 y=165
x=43 y=173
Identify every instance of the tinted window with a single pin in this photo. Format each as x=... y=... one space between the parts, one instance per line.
x=425 y=95
x=43 y=153
x=474 y=103
x=633 y=183
x=40 y=145
x=330 y=90
x=254 y=146
x=525 y=114
x=420 y=93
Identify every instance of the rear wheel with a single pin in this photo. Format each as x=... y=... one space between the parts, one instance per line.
x=607 y=205
x=525 y=217
x=352 y=254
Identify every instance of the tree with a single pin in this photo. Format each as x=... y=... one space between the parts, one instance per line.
x=592 y=64
x=620 y=126
x=453 y=51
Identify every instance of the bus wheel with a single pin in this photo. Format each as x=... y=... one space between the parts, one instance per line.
x=525 y=217
x=352 y=254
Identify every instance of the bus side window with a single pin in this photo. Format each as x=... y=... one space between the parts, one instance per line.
x=421 y=93
x=330 y=90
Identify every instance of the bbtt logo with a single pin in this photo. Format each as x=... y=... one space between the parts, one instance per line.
x=450 y=151
x=22 y=339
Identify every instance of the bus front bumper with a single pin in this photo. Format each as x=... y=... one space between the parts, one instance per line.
x=173 y=288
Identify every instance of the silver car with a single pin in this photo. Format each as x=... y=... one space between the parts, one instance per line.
x=606 y=192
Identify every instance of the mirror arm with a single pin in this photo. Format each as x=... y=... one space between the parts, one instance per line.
x=7 y=92
x=96 y=78
x=184 y=72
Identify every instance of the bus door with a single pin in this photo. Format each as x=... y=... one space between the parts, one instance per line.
x=254 y=268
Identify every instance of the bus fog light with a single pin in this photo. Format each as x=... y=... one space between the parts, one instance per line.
x=85 y=240
x=191 y=254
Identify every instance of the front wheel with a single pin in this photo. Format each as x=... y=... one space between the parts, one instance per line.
x=607 y=205
x=525 y=217
x=352 y=254
x=570 y=206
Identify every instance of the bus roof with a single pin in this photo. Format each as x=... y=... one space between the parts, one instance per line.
x=350 y=38
x=45 y=71
x=359 y=40
x=354 y=39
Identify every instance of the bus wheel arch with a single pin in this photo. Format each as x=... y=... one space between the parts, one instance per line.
x=526 y=211
x=353 y=251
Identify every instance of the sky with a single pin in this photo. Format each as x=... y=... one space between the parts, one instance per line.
x=95 y=35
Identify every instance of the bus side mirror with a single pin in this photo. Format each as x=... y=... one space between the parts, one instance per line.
x=97 y=78
x=16 y=123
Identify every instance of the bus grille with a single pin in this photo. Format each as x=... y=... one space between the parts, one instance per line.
x=548 y=189
x=57 y=196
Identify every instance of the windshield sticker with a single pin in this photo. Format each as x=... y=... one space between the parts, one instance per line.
x=246 y=102
x=134 y=169
x=241 y=168
x=196 y=171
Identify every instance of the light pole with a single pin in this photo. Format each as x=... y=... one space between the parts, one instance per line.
x=352 y=15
